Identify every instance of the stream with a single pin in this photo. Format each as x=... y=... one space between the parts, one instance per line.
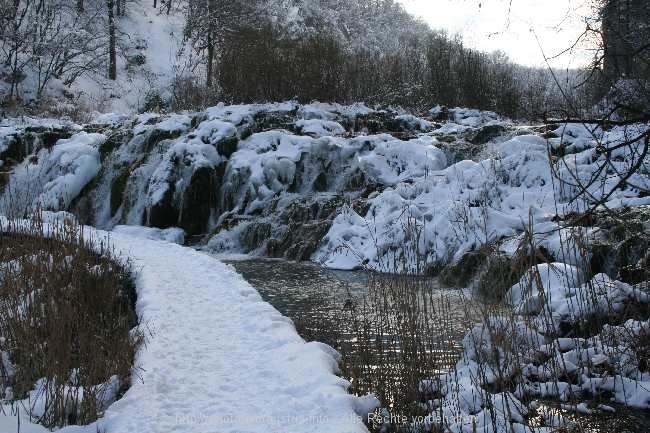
x=316 y=300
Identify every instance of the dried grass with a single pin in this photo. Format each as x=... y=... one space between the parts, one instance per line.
x=67 y=320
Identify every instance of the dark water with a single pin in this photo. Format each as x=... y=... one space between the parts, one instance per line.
x=316 y=299
x=313 y=297
x=293 y=288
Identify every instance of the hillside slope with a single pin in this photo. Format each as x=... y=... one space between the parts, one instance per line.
x=153 y=51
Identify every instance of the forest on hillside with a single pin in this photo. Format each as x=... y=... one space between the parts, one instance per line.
x=266 y=50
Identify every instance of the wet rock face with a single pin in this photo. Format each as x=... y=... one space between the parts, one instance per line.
x=622 y=248
x=48 y=136
x=155 y=136
x=459 y=149
x=193 y=211
x=486 y=134
x=299 y=241
x=227 y=146
x=256 y=235
x=490 y=272
x=118 y=187
x=20 y=145
x=292 y=229
x=382 y=122
x=320 y=183
x=114 y=139
x=163 y=214
x=182 y=171
x=305 y=222
x=16 y=147
x=198 y=201
x=265 y=121
x=9 y=157
x=441 y=114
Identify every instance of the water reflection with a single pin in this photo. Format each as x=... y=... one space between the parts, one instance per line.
x=315 y=298
x=319 y=301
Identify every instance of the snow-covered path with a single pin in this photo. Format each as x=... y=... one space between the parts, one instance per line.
x=220 y=359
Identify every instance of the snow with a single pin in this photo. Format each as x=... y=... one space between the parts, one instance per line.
x=239 y=114
x=175 y=123
x=423 y=202
x=151 y=53
x=464 y=396
x=329 y=111
x=601 y=295
x=547 y=296
x=436 y=199
x=219 y=358
x=460 y=207
x=56 y=176
x=157 y=37
x=320 y=128
x=10 y=124
x=5 y=135
x=414 y=123
x=394 y=161
x=173 y=235
x=529 y=296
x=372 y=30
x=186 y=156
x=473 y=117
x=109 y=119
x=9 y=424
x=456 y=206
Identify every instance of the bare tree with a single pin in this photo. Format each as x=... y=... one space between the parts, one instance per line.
x=210 y=21
x=112 y=41
x=620 y=82
x=49 y=39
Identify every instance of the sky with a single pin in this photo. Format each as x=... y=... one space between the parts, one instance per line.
x=513 y=27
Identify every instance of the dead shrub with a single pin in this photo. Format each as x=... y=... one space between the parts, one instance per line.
x=68 y=330
x=400 y=332
x=188 y=95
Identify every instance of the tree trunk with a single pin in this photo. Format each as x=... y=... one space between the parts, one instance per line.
x=210 y=60
x=155 y=4
x=14 y=85
x=210 y=41
x=112 y=56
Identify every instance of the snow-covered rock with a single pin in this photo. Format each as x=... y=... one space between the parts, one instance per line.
x=54 y=177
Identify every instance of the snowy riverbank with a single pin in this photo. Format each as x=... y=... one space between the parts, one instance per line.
x=218 y=357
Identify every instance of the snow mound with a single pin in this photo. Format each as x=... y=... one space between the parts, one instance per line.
x=320 y=128
x=171 y=235
x=54 y=177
